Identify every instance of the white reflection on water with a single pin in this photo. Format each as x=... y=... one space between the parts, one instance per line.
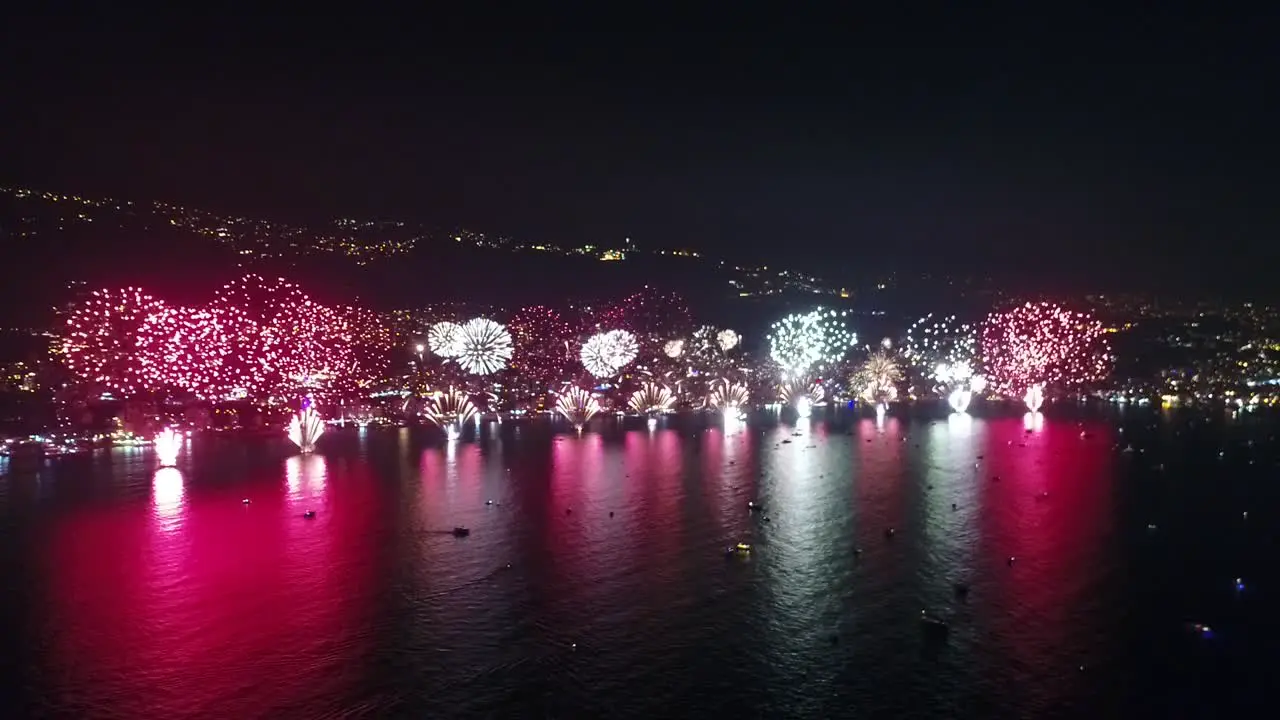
x=1033 y=421
x=305 y=475
x=167 y=496
x=951 y=493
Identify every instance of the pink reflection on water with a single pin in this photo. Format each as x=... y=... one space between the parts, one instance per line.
x=1050 y=508
x=305 y=476
x=187 y=611
x=881 y=487
x=454 y=471
x=166 y=495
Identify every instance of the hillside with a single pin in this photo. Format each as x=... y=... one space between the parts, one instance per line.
x=183 y=254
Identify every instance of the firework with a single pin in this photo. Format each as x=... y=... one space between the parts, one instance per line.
x=943 y=347
x=876 y=381
x=305 y=429
x=483 y=346
x=99 y=338
x=577 y=406
x=257 y=338
x=1042 y=344
x=604 y=354
x=372 y=341
x=649 y=312
x=795 y=390
x=542 y=345
x=673 y=348
x=450 y=409
x=651 y=399
x=445 y=339
x=183 y=349
x=1034 y=398
x=281 y=341
x=726 y=395
x=167 y=444
x=728 y=340
x=802 y=342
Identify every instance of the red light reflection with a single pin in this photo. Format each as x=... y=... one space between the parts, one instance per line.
x=1050 y=509
x=181 y=614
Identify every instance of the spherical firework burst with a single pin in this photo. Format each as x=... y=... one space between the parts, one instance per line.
x=542 y=346
x=877 y=380
x=258 y=338
x=727 y=340
x=802 y=342
x=651 y=399
x=484 y=346
x=445 y=339
x=604 y=354
x=577 y=406
x=673 y=348
x=98 y=343
x=1042 y=344
x=450 y=409
x=725 y=395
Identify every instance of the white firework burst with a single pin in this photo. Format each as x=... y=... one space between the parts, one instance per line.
x=444 y=339
x=484 y=346
x=725 y=395
x=801 y=342
x=728 y=340
x=450 y=409
x=651 y=399
x=949 y=373
x=577 y=406
x=604 y=354
x=673 y=348
x=877 y=379
x=305 y=429
x=798 y=391
x=933 y=342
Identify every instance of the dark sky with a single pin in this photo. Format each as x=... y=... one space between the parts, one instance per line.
x=1052 y=142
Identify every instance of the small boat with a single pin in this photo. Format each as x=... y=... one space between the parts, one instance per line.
x=755 y=507
x=309 y=514
x=961 y=589
x=461 y=532
x=933 y=625
x=739 y=549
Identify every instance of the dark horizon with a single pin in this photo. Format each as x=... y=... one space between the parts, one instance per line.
x=1065 y=150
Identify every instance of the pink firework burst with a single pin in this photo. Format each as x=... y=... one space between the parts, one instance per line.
x=1042 y=344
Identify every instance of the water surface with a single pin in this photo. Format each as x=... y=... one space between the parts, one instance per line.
x=133 y=593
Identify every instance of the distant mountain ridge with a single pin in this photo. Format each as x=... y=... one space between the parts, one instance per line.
x=179 y=252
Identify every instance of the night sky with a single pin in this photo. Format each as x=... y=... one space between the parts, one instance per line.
x=1048 y=143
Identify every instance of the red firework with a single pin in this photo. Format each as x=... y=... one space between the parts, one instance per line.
x=1042 y=343
x=652 y=315
x=99 y=338
x=259 y=339
x=282 y=340
x=185 y=350
x=544 y=346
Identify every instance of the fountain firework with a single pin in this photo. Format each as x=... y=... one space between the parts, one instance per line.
x=167 y=444
x=305 y=429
